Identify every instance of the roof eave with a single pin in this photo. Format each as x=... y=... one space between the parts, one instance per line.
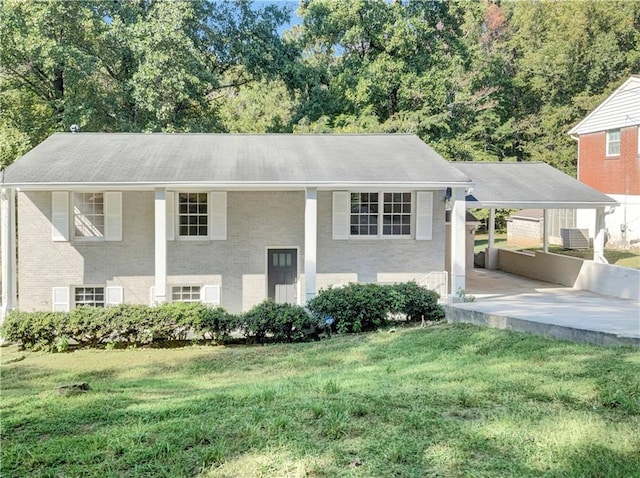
x=471 y=204
x=235 y=185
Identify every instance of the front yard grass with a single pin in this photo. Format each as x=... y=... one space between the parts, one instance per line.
x=445 y=400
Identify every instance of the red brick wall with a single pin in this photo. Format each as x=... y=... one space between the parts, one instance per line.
x=611 y=175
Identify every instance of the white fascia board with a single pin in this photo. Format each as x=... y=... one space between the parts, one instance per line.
x=538 y=205
x=241 y=186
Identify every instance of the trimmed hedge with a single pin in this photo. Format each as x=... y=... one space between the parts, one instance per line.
x=350 y=309
x=127 y=324
x=279 y=322
x=363 y=307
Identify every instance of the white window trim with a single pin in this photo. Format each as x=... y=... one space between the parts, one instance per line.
x=112 y=220
x=216 y=217
x=203 y=292
x=199 y=286
x=380 y=235
x=72 y=216
x=73 y=288
x=176 y=217
x=608 y=142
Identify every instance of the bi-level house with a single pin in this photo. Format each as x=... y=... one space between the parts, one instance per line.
x=224 y=219
x=609 y=160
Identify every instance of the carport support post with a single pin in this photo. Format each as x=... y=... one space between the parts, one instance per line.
x=458 y=243
x=491 y=254
x=160 y=284
x=310 y=242
x=598 y=241
x=8 y=243
x=545 y=230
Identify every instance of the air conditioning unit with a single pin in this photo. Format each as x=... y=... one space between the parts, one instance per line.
x=573 y=238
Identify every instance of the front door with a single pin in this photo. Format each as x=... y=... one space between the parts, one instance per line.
x=282 y=275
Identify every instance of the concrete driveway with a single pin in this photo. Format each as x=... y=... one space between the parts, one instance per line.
x=512 y=302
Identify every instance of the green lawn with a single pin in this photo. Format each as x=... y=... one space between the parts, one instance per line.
x=446 y=401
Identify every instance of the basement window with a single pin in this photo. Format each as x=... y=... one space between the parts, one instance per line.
x=89 y=296
x=185 y=293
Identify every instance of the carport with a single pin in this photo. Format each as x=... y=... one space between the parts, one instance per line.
x=535 y=186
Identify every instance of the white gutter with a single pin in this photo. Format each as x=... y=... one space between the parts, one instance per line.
x=234 y=185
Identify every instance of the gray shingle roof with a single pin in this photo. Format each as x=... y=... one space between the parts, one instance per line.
x=264 y=159
x=528 y=185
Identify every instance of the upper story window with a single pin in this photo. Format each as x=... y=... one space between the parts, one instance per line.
x=88 y=215
x=375 y=214
x=364 y=214
x=396 y=219
x=193 y=215
x=613 y=142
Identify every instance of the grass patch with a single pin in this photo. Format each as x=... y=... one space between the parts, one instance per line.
x=446 y=400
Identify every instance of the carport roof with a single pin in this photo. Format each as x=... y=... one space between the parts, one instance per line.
x=528 y=185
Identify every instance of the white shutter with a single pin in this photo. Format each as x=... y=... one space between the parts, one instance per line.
x=152 y=295
x=218 y=215
x=424 y=216
x=211 y=294
x=113 y=216
x=171 y=215
x=60 y=216
x=114 y=295
x=61 y=299
x=341 y=214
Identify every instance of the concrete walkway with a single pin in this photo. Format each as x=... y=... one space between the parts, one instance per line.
x=512 y=302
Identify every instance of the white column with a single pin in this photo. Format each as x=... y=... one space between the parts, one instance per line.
x=160 y=283
x=492 y=228
x=310 y=241
x=8 y=254
x=545 y=230
x=458 y=242
x=599 y=239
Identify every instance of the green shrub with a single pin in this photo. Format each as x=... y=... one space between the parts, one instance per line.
x=33 y=330
x=89 y=326
x=280 y=322
x=418 y=303
x=133 y=323
x=356 y=307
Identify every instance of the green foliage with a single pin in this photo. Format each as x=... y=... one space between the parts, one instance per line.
x=418 y=303
x=356 y=307
x=279 y=322
x=34 y=330
x=127 y=324
x=481 y=81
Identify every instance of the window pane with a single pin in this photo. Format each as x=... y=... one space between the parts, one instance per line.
x=397 y=212
x=192 y=211
x=88 y=214
x=364 y=214
x=89 y=296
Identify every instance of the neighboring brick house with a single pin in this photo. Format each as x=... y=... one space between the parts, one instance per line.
x=609 y=160
x=225 y=219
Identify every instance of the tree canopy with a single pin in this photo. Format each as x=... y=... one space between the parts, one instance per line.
x=489 y=80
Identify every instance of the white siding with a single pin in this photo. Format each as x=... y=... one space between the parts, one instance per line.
x=619 y=110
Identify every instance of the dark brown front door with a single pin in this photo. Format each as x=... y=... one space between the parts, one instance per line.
x=282 y=275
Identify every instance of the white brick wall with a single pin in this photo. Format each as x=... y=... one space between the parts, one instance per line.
x=256 y=221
